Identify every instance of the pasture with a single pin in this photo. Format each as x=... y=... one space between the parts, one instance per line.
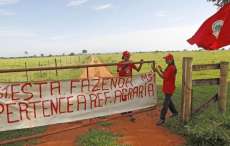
x=37 y=62
x=198 y=130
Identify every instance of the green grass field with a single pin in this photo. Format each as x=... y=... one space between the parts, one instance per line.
x=197 y=129
x=42 y=62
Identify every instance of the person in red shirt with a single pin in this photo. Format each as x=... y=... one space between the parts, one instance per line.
x=124 y=69
x=169 y=78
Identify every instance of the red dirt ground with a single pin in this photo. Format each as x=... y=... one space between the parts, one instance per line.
x=142 y=132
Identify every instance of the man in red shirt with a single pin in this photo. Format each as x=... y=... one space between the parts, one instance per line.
x=169 y=78
x=124 y=69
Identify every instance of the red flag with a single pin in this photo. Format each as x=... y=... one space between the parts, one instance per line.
x=214 y=33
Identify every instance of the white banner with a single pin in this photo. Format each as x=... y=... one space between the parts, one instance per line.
x=31 y=104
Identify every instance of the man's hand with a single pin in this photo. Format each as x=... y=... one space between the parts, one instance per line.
x=140 y=66
x=160 y=68
x=154 y=68
x=141 y=62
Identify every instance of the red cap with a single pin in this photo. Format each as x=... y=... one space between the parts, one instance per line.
x=169 y=57
x=126 y=54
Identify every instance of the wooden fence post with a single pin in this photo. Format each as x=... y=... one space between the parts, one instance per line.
x=27 y=78
x=223 y=88
x=39 y=64
x=56 y=66
x=186 y=100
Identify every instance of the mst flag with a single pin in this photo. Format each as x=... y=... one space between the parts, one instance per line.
x=214 y=33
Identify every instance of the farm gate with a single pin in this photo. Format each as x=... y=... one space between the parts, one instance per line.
x=56 y=68
x=188 y=83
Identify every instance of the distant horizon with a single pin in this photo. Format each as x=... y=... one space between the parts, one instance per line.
x=88 y=53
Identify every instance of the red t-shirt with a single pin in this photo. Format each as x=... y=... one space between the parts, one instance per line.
x=124 y=68
x=169 y=80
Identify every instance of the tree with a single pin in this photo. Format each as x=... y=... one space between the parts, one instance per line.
x=72 y=54
x=26 y=53
x=220 y=3
x=84 y=51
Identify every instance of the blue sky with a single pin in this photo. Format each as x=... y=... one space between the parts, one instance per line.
x=64 y=26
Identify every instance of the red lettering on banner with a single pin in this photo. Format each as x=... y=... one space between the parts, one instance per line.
x=141 y=89
x=100 y=99
x=60 y=105
x=84 y=85
x=4 y=91
x=148 y=77
x=53 y=87
x=23 y=107
x=44 y=108
x=131 y=94
x=34 y=107
x=118 y=94
x=151 y=90
x=106 y=97
x=40 y=84
x=129 y=82
x=146 y=89
x=13 y=92
x=104 y=86
x=69 y=104
x=8 y=112
x=54 y=106
x=96 y=93
x=72 y=85
x=121 y=82
x=2 y=108
x=81 y=102
x=96 y=85
x=114 y=82
x=135 y=91
x=124 y=94
x=93 y=100
x=30 y=94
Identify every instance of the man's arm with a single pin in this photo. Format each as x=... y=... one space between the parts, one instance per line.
x=160 y=69
x=140 y=66
x=158 y=72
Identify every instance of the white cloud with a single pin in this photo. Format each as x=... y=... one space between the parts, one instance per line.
x=161 y=14
x=75 y=3
x=7 y=2
x=6 y=13
x=103 y=7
